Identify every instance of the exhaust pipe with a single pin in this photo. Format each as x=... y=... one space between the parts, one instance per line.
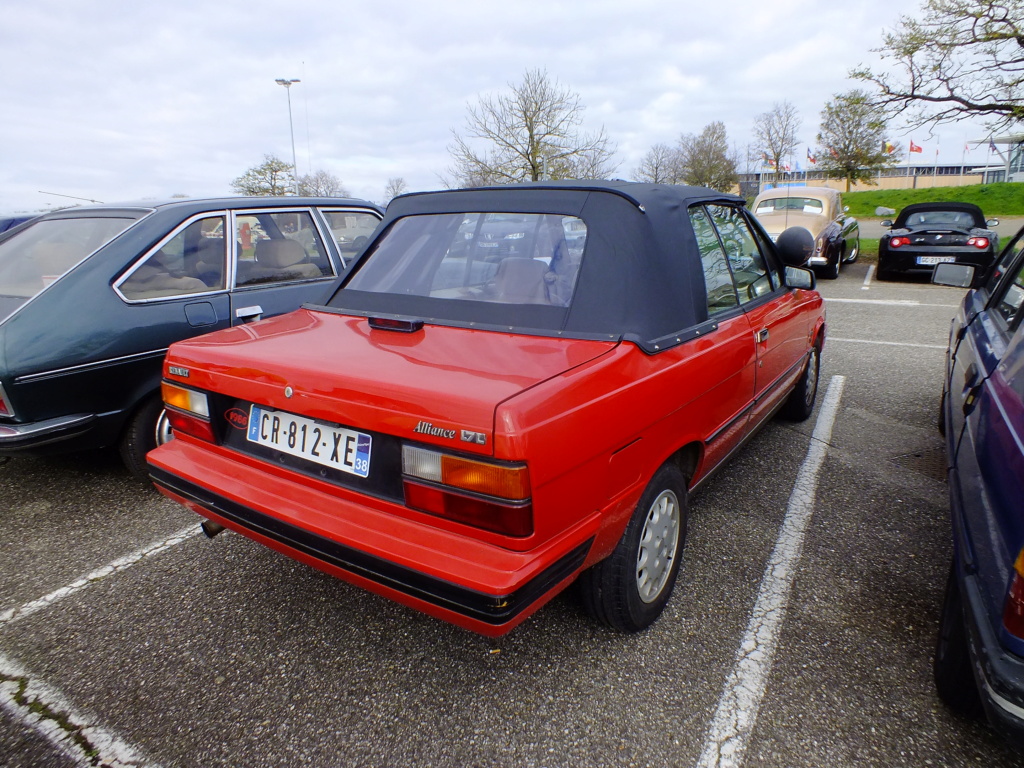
x=211 y=528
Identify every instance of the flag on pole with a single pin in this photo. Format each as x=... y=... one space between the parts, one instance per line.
x=914 y=147
x=811 y=158
x=888 y=148
x=992 y=146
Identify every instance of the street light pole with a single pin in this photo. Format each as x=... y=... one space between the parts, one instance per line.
x=291 y=127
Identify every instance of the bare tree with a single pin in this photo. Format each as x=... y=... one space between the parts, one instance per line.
x=322 y=184
x=531 y=133
x=272 y=178
x=775 y=133
x=962 y=59
x=706 y=160
x=394 y=188
x=659 y=166
x=851 y=140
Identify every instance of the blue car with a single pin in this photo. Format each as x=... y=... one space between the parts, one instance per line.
x=979 y=656
x=91 y=298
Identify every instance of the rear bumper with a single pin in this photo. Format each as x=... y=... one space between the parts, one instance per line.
x=999 y=674
x=34 y=436
x=905 y=260
x=474 y=585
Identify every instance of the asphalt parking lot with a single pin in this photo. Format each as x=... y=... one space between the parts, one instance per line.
x=126 y=639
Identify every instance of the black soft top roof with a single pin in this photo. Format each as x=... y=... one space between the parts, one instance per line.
x=971 y=208
x=640 y=278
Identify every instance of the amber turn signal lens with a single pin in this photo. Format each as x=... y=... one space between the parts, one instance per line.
x=185 y=399
x=502 y=481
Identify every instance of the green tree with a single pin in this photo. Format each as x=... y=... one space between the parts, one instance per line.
x=957 y=59
x=775 y=133
x=531 y=133
x=270 y=179
x=851 y=140
x=705 y=160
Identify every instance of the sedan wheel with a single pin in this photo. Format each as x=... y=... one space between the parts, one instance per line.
x=800 y=403
x=147 y=428
x=629 y=590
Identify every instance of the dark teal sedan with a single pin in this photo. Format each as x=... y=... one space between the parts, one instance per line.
x=91 y=297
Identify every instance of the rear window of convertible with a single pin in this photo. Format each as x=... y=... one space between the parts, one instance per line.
x=504 y=258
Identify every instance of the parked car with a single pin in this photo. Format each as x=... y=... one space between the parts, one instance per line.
x=926 y=234
x=10 y=222
x=979 y=657
x=467 y=435
x=91 y=297
x=820 y=210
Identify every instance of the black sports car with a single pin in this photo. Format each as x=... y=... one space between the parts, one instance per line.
x=926 y=234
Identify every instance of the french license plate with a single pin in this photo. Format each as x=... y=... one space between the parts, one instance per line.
x=334 y=447
x=935 y=259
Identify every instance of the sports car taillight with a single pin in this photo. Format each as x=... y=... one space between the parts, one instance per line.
x=1013 y=609
x=188 y=411
x=489 y=495
x=899 y=242
x=981 y=243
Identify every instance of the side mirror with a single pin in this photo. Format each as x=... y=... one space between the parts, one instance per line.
x=846 y=209
x=954 y=275
x=992 y=223
x=796 y=277
x=795 y=246
x=887 y=223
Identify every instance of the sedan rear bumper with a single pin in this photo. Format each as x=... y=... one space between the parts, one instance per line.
x=19 y=438
x=430 y=571
x=906 y=260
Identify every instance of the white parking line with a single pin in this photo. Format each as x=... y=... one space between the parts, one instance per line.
x=736 y=716
x=887 y=343
x=867 y=278
x=44 y=710
x=889 y=302
x=13 y=614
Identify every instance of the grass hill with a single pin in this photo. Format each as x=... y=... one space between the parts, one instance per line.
x=1004 y=199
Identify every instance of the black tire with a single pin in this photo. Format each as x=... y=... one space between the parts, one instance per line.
x=620 y=591
x=951 y=667
x=800 y=403
x=942 y=414
x=146 y=429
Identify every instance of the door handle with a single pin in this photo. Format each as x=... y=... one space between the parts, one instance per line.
x=762 y=336
x=249 y=314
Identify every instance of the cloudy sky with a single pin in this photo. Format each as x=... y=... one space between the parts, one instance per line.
x=112 y=100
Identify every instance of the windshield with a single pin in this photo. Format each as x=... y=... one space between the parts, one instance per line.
x=38 y=256
x=504 y=258
x=790 y=204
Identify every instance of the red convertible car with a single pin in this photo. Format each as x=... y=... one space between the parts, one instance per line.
x=515 y=388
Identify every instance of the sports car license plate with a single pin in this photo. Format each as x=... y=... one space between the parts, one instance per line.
x=935 y=259
x=334 y=447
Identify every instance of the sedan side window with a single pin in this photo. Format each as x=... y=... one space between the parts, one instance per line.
x=279 y=247
x=190 y=261
x=718 y=281
x=748 y=265
x=1009 y=304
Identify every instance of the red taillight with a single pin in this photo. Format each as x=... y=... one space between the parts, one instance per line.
x=188 y=411
x=491 y=495
x=899 y=242
x=1013 y=610
x=981 y=243
x=487 y=514
x=188 y=424
x=5 y=407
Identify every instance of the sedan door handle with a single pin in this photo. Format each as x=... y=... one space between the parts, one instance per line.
x=762 y=336
x=249 y=314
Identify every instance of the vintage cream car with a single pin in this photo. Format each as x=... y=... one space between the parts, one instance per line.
x=820 y=210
